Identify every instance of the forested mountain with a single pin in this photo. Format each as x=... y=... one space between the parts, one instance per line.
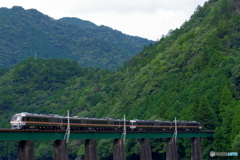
x=192 y=74
x=25 y=33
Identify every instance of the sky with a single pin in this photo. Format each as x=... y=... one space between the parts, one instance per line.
x=144 y=18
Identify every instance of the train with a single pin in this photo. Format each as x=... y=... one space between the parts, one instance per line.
x=32 y=121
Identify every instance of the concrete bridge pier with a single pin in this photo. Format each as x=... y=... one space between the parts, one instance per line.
x=60 y=150
x=118 y=150
x=25 y=150
x=91 y=149
x=145 y=149
x=196 y=149
x=171 y=149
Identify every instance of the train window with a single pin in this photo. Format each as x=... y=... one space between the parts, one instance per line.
x=75 y=121
x=14 y=118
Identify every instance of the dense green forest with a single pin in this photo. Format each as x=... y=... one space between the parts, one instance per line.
x=192 y=74
x=25 y=33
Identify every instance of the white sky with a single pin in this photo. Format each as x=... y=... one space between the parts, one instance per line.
x=145 y=18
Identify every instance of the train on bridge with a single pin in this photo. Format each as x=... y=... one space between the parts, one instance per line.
x=26 y=121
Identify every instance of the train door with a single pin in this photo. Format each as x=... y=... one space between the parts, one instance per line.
x=61 y=122
x=133 y=124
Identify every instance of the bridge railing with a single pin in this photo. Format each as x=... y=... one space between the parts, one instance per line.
x=18 y=135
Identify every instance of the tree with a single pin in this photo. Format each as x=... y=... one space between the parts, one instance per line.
x=235 y=122
x=236 y=143
x=205 y=114
x=222 y=134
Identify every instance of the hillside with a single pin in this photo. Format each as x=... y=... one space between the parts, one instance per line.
x=192 y=74
x=26 y=32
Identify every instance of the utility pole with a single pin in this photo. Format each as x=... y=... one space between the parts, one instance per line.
x=175 y=132
x=67 y=135
x=35 y=56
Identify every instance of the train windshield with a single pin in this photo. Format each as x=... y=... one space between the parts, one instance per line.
x=16 y=118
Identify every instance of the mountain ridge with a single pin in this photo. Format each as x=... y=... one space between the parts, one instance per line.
x=25 y=32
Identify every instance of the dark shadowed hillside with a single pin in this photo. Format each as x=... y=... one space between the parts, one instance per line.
x=26 y=32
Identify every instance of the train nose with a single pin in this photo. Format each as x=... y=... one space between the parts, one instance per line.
x=14 y=127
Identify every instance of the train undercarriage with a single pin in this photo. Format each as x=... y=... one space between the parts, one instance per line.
x=57 y=128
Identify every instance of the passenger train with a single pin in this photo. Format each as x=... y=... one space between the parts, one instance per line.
x=31 y=121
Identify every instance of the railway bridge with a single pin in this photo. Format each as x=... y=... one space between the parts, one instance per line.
x=26 y=138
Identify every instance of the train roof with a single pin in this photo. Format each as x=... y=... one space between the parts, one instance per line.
x=57 y=116
x=99 y=119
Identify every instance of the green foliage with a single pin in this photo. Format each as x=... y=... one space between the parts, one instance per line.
x=226 y=109
x=236 y=143
x=204 y=114
x=8 y=150
x=191 y=74
x=105 y=150
x=44 y=150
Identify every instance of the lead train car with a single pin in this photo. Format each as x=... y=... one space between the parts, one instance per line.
x=26 y=120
